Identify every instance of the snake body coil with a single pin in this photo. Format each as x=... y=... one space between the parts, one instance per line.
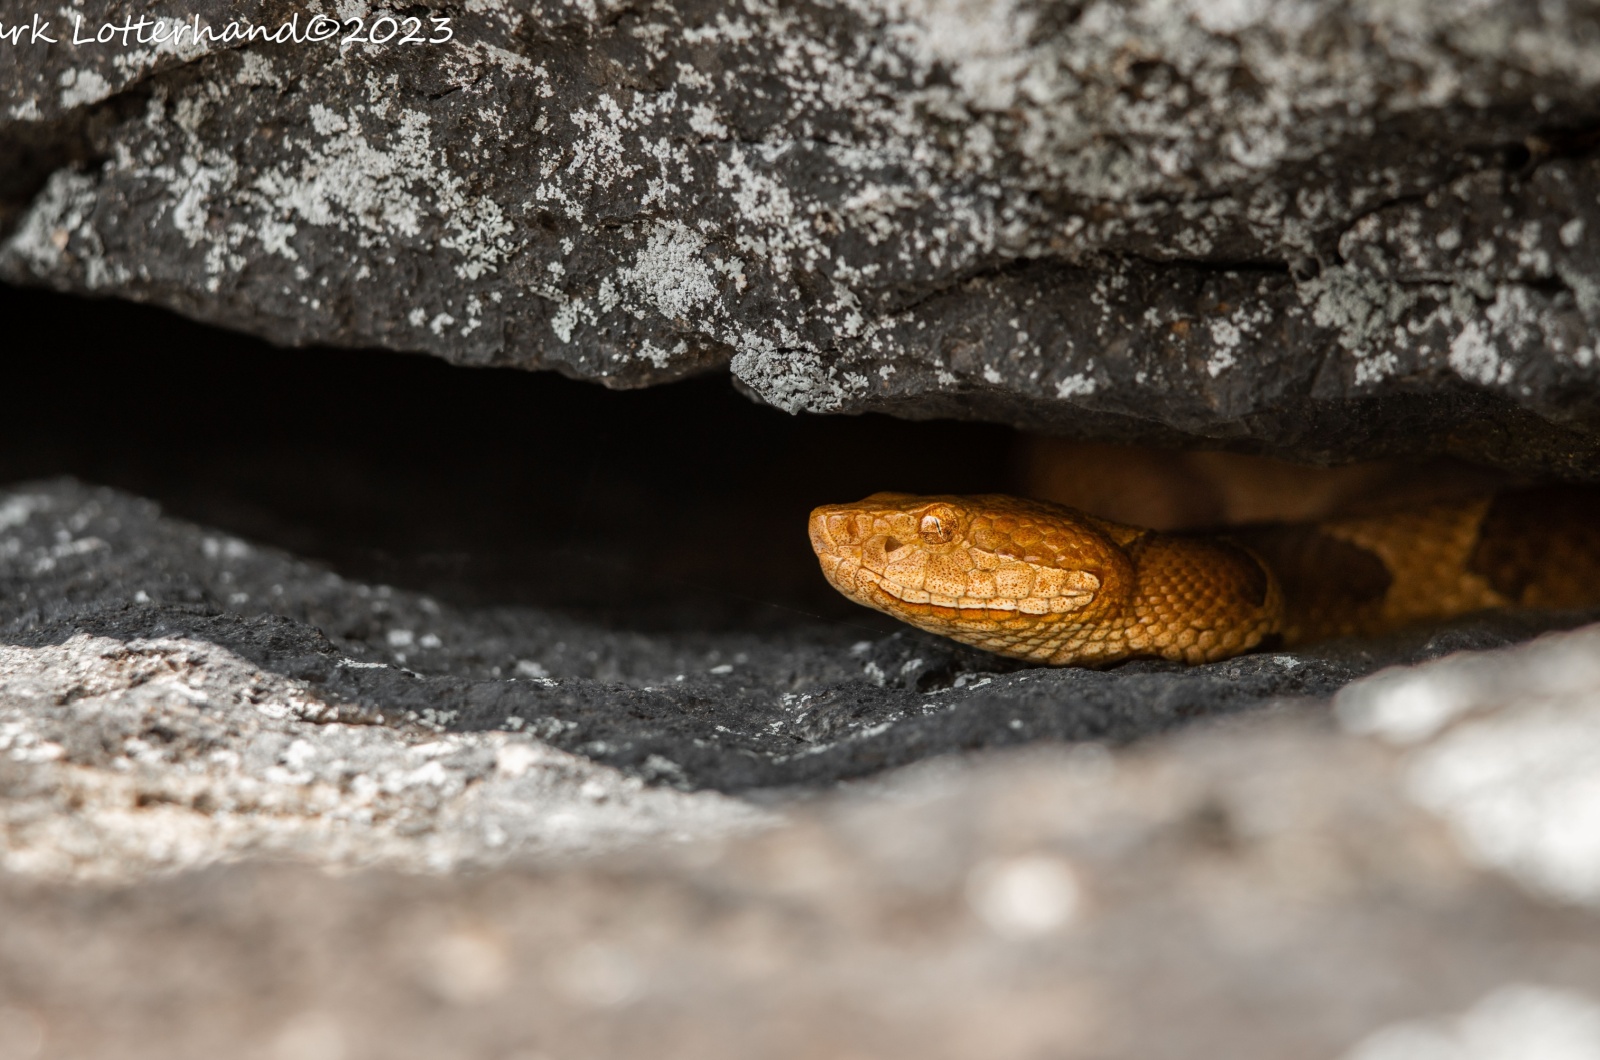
x=1053 y=585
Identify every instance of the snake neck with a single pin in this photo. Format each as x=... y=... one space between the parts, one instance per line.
x=1193 y=600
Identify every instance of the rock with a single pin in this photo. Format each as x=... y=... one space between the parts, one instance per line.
x=1516 y=785
x=101 y=592
x=1328 y=230
x=1425 y=879
x=172 y=697
x=589 y=825
x=131 y=757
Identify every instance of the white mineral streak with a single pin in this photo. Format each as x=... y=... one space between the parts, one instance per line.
x=252 y=771
x=1516 y=1022
x=1507 y=751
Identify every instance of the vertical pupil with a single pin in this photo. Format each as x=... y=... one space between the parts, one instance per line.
x=931 y=524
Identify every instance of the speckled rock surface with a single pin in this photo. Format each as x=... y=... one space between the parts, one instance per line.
x=172 y=697
x=131 y=757
x=1425 y=882
x=102 y=594
x=1327 y=228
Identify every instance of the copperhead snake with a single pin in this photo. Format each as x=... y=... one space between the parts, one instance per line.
x=1047 y=583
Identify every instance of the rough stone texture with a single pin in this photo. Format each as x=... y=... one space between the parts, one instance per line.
x=1257 y=889
x=1326 y=228
x=126 y=757
x=101 y=595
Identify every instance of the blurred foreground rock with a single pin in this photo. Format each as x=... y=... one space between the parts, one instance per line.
x=1418 y=869
x=1424 y=882
x=1327 y=228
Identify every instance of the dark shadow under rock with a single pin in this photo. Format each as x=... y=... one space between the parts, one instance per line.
x=480 y=487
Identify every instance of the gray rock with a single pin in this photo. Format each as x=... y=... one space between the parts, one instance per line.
x=1258 y=889
x=1328 y=229
x=1324 y=228
x=129 y=757
x=85 y=570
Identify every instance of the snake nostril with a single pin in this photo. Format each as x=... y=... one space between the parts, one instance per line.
x=891 y=545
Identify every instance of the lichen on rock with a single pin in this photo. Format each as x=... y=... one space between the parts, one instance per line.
x=926 y=207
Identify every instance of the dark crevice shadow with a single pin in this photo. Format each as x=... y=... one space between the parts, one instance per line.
x=678 y=506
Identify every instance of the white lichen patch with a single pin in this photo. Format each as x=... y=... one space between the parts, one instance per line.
x=1474 y=357
x=1512 y=322
x=797 y=380
x=780 y=231
x=1230 y=335
x=671 y=273
x=59 y=215
x=1381 y=322
x=1375 y=368
x=1069 y=85
x=659 y=357
x=704 y=120
x=371 y=170
x=392 y=188
x=1078 y=384
x=1362 y=309
x=82 y=87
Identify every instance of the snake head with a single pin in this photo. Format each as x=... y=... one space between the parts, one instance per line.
x=966 y=565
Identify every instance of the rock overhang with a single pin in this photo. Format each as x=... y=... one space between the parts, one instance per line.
x=1329 y=234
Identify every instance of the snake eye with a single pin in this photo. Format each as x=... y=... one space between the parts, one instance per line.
x=937 y=526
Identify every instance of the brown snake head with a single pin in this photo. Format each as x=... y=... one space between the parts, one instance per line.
x=998 y=572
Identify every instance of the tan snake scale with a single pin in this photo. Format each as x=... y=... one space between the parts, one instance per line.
x=1054 y=585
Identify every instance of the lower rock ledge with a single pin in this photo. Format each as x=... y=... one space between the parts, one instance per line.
x=532 y=861
x=1269 y=886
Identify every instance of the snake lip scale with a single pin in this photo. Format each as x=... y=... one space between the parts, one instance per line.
x=1054 y=585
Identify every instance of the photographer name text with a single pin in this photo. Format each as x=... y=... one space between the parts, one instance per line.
x=178 y=33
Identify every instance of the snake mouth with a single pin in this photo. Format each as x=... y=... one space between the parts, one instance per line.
x=920 y=601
